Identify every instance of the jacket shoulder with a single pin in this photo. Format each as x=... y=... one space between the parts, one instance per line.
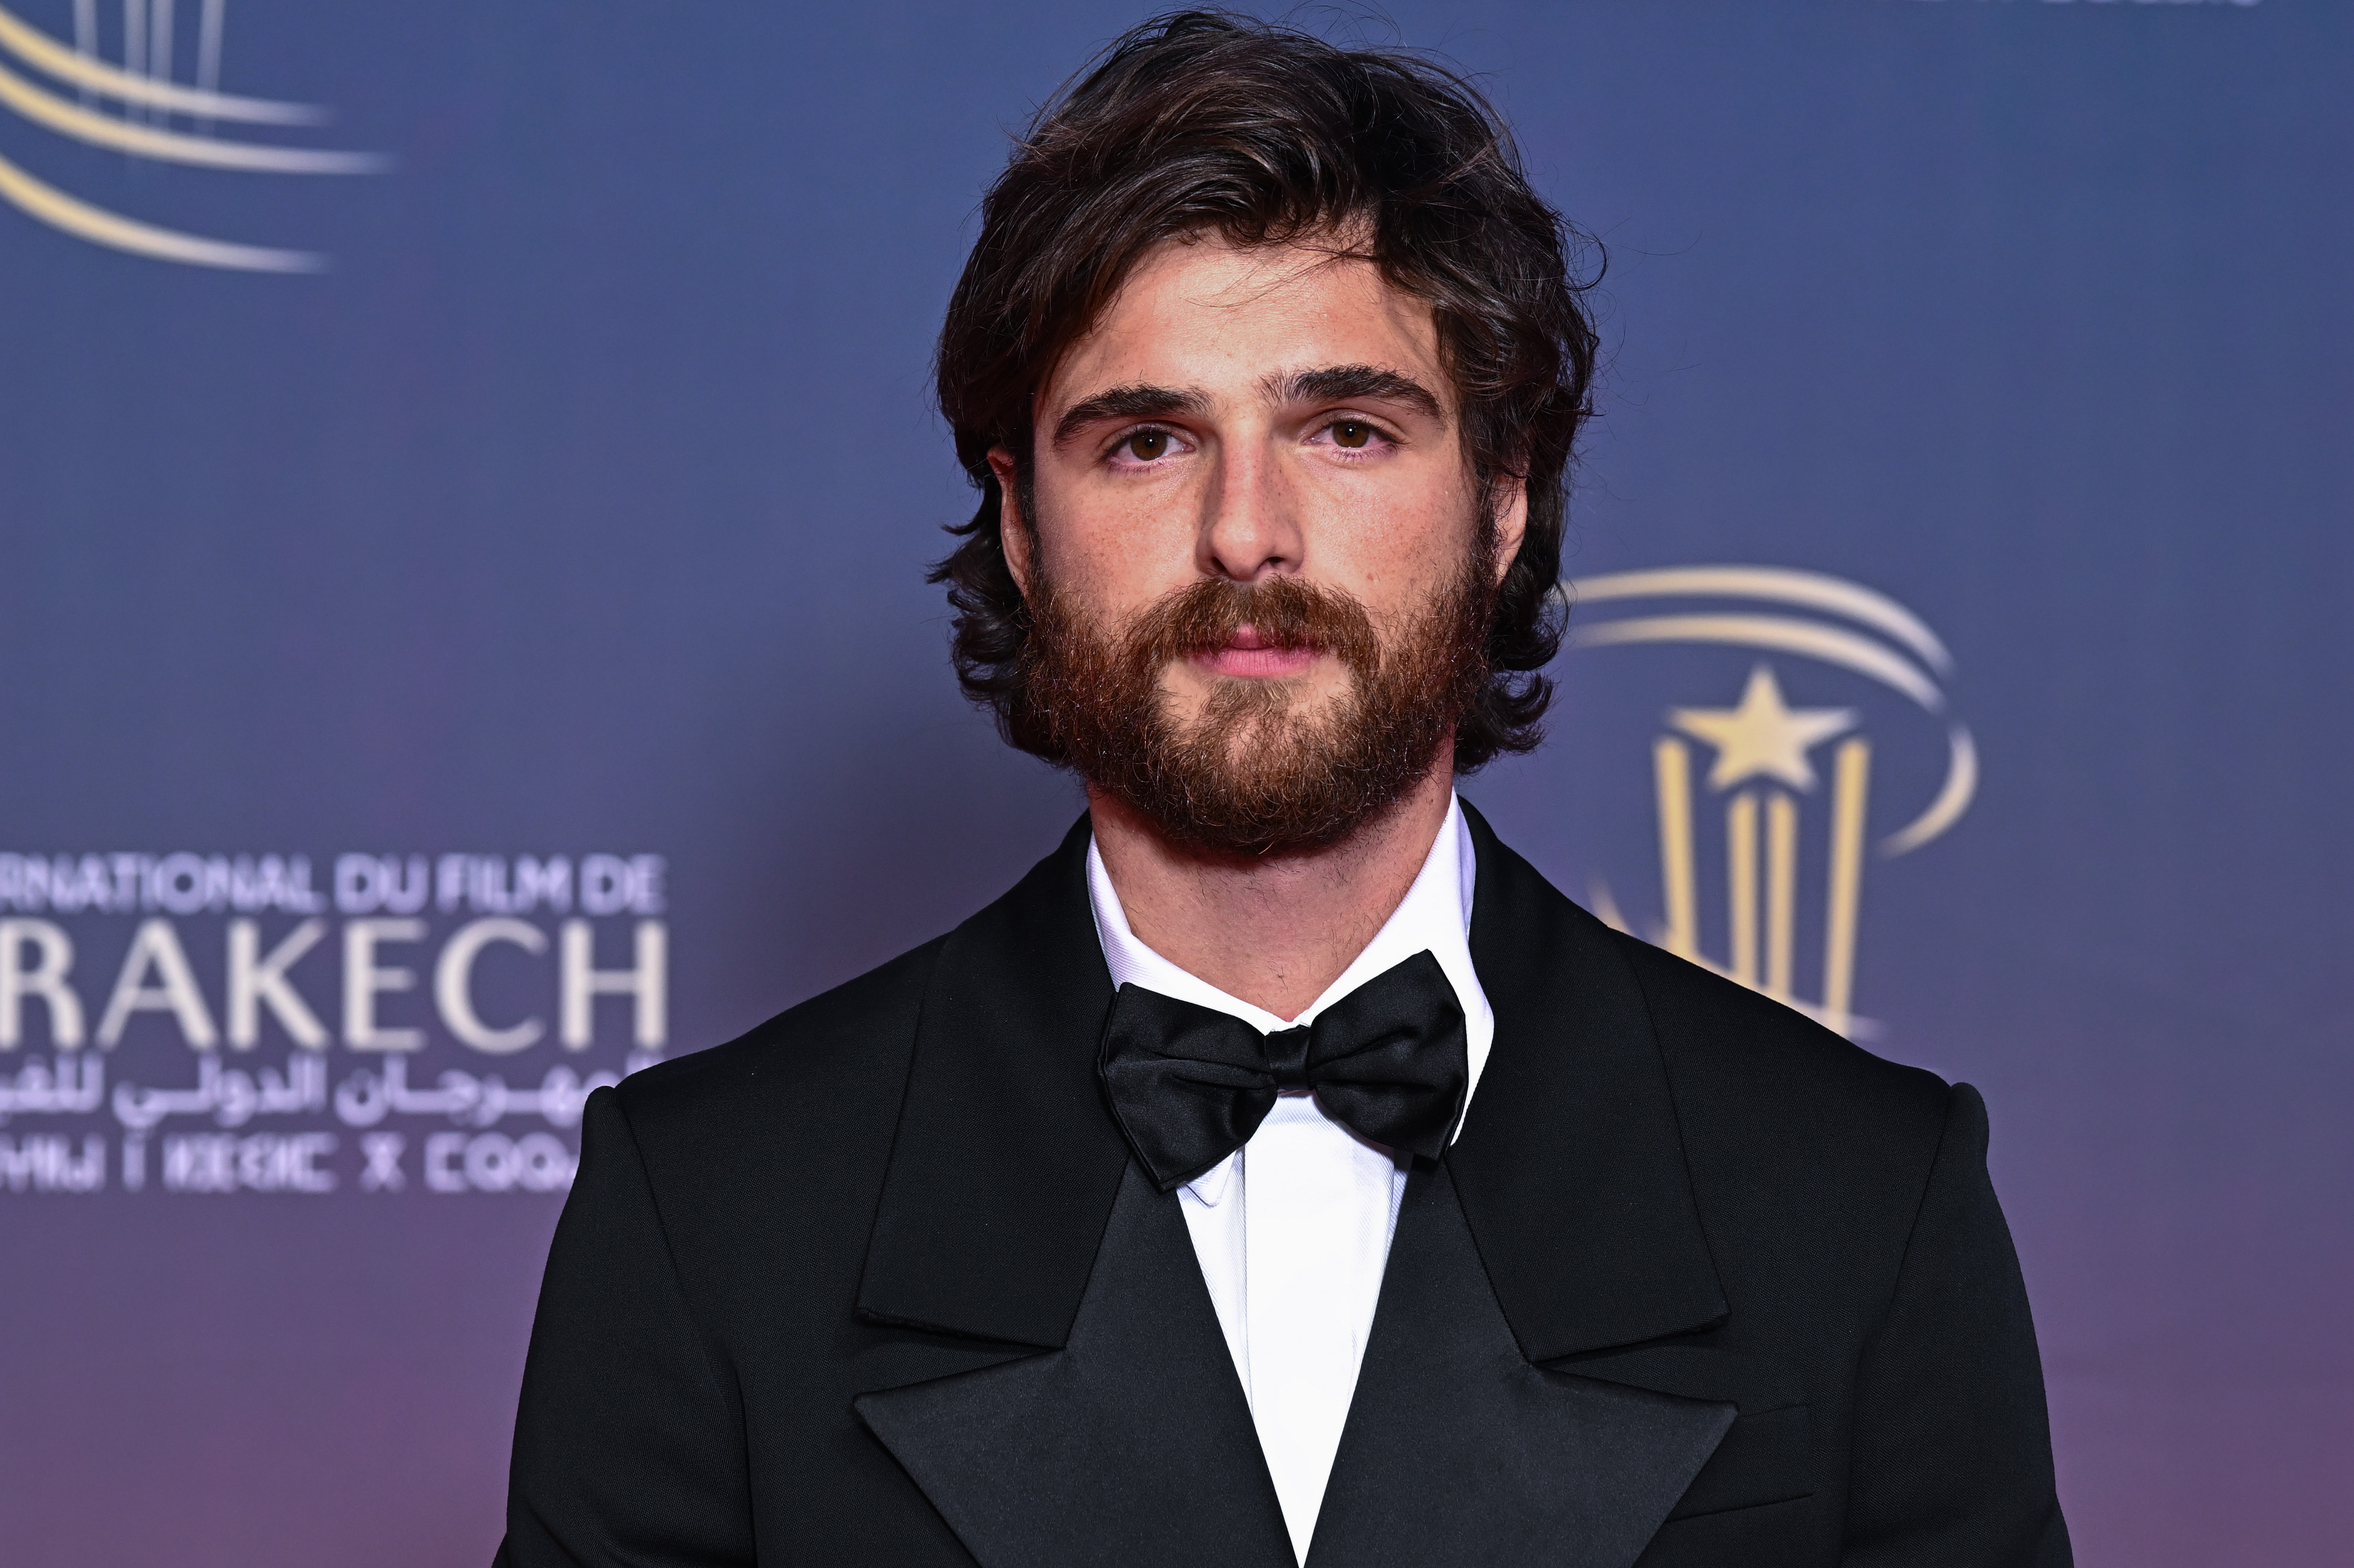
x=846 y=1047
x=1761 y=1074
x=1810 y=1157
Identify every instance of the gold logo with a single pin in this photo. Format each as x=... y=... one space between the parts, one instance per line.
x=1760 y=755
x=139 y=108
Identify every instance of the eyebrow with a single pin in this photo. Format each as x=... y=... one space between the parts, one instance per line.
x=1141 y=401
x=1353 y=383
x=1326 y=384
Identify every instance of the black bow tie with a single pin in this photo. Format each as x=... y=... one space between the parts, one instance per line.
x=1190 y=1085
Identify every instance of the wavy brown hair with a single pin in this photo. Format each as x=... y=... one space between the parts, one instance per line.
x=1206 y=122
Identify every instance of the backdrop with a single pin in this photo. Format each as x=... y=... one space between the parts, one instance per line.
x=466 y=477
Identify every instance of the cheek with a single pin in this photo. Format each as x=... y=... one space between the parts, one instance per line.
x=1396 y=548
x=1112 y=579
x=1118 y=556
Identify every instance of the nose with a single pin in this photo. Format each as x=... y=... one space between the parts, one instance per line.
x=1249 y=526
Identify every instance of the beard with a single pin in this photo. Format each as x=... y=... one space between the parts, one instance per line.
x=1259 y=769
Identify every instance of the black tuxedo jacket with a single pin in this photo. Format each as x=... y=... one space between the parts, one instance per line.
x=879 y=1283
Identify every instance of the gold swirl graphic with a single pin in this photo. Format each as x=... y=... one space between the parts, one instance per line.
x=146 y=97
x=1904 y=656
x=104 y=130
x=100 y=226
x=52 y=59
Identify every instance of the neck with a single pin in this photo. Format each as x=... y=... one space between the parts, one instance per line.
x=1272 y=931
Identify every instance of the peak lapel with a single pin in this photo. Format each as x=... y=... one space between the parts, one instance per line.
x=1005 y=1163
x=1132 y=1445
x=1570 y=1167
x=1459 y=1452
x=1011 y=1213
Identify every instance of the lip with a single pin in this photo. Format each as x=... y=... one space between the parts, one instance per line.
x=1248 y=656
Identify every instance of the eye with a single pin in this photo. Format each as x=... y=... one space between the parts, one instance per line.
x=1148 y=446
x=1352 y=433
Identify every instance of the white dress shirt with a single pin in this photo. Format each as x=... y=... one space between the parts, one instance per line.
x=1293 y=1229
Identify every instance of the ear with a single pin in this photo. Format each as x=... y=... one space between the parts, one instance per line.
x=1510 y=503
x=1013 y=535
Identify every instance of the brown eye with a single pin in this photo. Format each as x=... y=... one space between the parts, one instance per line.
x=1352 y=433
x=1148 y=446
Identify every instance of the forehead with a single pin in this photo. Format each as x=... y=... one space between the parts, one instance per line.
x=1206 y=314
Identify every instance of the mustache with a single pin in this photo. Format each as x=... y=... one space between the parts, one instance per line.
x=1255 y=769
x=1286 y=612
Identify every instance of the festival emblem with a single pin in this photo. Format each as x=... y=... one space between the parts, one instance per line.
x=141 y=107
x=1792 y=782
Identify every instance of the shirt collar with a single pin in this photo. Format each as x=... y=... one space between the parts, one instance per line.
x=1434 y=913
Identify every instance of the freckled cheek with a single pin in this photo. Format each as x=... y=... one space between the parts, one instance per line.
x=1394 y=555
x=1121 y=561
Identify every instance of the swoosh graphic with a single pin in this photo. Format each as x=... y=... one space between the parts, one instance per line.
x=1953 y=799
x=1831 y=644
x=1781 y=584
x=86 y=125
x=45 y=54
x=100 y=226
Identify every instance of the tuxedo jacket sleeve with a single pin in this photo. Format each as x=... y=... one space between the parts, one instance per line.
x=1700 y=1286
x=628 y=1446
x=713 y=1239
x=1953 y=1457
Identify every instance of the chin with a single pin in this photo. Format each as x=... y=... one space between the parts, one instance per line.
x=1257 y=711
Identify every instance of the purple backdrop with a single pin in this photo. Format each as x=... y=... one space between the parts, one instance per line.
x=460 y=579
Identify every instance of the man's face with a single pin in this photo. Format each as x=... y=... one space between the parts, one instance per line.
x=1255 y=518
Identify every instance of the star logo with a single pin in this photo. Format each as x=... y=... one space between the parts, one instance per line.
x=1764 y=734
x=1776 y=825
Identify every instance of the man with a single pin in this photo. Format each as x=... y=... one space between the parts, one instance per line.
x=1283 y=1172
